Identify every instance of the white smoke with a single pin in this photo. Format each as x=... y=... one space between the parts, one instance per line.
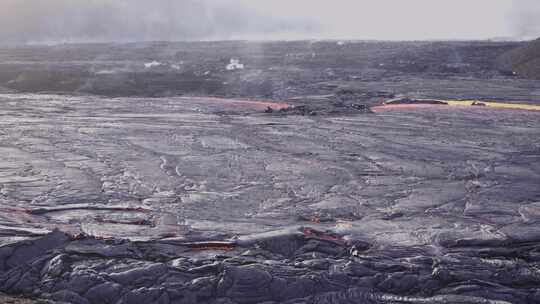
x=136 y=20
x=525 y=19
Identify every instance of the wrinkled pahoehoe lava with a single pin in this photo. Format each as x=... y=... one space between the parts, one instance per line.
x=169 y=202
x=207 y=200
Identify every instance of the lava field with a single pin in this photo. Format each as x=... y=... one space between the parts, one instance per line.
x=149 y=173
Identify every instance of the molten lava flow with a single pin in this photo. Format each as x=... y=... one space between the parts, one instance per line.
x=438 y=103
x=248 y=104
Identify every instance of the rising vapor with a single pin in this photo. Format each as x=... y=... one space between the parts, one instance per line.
x=136 y=20
x=525 y=19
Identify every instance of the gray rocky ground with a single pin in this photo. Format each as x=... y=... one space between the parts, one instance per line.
x=172 y=201
x=128 y=198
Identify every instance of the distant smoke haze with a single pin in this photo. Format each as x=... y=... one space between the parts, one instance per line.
x=135 y=20
x=525 y=19
x=42 y=21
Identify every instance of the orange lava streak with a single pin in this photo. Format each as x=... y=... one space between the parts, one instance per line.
x=256 y=104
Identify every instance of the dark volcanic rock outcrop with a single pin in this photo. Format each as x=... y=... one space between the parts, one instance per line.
x=248 y=274
x=524 y=61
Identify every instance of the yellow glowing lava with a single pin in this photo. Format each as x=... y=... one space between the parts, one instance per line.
x=491 y=104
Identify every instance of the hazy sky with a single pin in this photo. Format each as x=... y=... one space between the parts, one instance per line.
x=23 y=21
